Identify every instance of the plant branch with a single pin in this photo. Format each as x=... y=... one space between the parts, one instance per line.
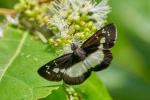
x=11 y=12
x=44 y=1
x=5 y=11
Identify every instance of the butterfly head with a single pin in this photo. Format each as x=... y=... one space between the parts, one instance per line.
x=74 y=46
x=77 y=51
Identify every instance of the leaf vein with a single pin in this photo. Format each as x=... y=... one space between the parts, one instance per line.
x=15 y=54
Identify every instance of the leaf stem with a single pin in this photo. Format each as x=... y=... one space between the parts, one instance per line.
x=41 y=36
x=70 y=92
x=44 y=1
x=12 y=12
x=5 y=11
x=50 y=86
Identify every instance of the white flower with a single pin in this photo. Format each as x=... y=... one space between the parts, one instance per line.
x=60 y=23
x=2 y=28
x=1 y=32
x=77 y=18
x=12 y=20
x=9 y=19
x=60 y=9
x=99 y=12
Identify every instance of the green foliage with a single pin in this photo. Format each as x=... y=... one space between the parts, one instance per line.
x=21 y=56
x=129 y=73
x=127 y=78
x=7 y=3
x=93 y=85
x=84 y=91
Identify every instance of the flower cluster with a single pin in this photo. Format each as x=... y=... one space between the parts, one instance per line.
x=75 y=19
x=64 y=20
x=32 y=12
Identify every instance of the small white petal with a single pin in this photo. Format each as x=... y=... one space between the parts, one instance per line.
x=99 y=12
x=1 y=32
x=60 y=8
x=12 y=20
x=67 y=49
x=60 y=23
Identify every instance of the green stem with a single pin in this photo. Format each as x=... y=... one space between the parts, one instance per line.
x=70 y=92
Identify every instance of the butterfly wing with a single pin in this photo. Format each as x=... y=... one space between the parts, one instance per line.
x=80 y=71
x=54 y=69
x=107 y=58
x=101 y=41
x=103 y=38
x=76 y=74
x=63 y=68
x=72 y=70
x=98 y=55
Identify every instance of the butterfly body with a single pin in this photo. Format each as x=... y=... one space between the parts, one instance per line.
x=93 y=55
x=77 y=51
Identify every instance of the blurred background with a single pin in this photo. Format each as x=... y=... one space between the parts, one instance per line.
x=128 y=77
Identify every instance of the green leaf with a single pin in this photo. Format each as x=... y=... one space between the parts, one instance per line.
x=93 y=89
x=58 y=94
x=21 y=56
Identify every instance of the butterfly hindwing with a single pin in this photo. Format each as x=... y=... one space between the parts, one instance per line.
x=76 y=73
x=105 y=62
x=80 y=71
x=77 y=76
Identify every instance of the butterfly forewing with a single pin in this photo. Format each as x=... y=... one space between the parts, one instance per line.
x=54 y=69
x=103 y=38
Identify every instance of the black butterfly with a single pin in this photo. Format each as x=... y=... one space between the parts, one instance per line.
x=94 y=55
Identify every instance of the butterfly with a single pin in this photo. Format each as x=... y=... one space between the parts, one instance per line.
x=93 y=55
